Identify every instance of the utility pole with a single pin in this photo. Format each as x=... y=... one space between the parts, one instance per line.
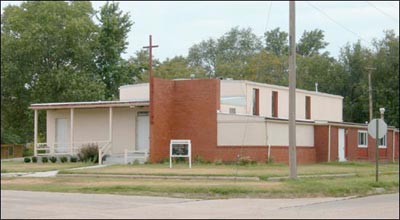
x=292 y=90
x=370 y=92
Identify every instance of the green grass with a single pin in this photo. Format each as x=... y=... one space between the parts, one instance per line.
x=362 y=183
x=313 y=187
x=263 y=171
x=20 y=166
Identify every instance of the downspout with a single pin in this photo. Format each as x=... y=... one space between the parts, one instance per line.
x=269 y=145
x=393 y=143
x=329 y=143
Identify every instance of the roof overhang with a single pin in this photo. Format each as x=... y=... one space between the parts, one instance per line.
x=98 y=104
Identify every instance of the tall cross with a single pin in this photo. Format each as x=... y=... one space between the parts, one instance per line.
x=150 y=47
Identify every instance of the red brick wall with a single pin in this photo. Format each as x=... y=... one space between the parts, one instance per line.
x=279 y=154
x=396 y=154
x=184 y=109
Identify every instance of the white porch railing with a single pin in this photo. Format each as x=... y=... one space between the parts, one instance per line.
x=126 y=152
x=45 y=149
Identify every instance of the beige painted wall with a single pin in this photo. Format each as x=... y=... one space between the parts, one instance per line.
x=237 y=130
x=323 y=106
x=91 y=125
x=134 y=92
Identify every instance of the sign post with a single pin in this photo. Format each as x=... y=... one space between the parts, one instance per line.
x=377 y=128
x=180 y=148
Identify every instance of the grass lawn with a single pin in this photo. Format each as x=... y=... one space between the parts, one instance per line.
x=20 y=166
x=210 y=189
x=263 y=171
x=363 y=183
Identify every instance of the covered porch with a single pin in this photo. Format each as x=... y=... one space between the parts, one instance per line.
x=116 y=127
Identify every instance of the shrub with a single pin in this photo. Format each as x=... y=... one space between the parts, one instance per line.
x=34 y=159
x=27 y=159
x=218 y=162
x=73 y=159
x=164 y=161
x=89 y=153
x=244 y=161
x=28 y=150
x=63 y=159
x=45 y=159
x=136 y=162
x=198 y=159
x=53 y=159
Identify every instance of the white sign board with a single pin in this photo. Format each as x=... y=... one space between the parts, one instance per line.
x=382 y=128
x=180 y=148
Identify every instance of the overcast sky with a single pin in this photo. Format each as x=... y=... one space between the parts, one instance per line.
x=176 y=26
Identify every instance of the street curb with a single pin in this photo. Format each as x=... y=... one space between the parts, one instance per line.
x=163 y=177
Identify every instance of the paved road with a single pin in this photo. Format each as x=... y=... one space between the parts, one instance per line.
x=19 y=204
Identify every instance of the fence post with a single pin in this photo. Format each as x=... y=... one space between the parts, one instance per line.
x=99 y=149
x=126 y=156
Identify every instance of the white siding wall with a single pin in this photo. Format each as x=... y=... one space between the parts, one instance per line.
x=323 y=106
x=237 y=130
x=91 y=125
x=134 y=92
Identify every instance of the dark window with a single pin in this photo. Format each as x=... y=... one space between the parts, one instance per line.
x=274 y=104
x=256 y=102
x=308 y=107
x=232 y=110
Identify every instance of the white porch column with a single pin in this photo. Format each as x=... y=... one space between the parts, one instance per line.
x=71 y=132
x=110 y=127
x=35 y=133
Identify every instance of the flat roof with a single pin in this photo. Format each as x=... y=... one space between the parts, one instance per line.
x=95 y=104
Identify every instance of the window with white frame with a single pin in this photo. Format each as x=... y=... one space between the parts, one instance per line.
x=382 y=142
x=362 y=139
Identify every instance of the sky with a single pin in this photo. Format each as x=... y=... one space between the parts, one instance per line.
x=176 y=26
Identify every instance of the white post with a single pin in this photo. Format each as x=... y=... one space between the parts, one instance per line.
x=329 y=144
x=126 y=156
x=190 y=154
x=35 y=133
x=71 y=131
x=393 y=144
x=99 y=149
x=110 y=126
x=170 y=155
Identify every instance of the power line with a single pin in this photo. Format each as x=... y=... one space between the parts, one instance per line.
x=381 y=11
x=333 y=20
x=269 y=13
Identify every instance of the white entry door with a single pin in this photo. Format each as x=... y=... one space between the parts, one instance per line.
x=341 y=145
x=142 y=131
x=61 y=145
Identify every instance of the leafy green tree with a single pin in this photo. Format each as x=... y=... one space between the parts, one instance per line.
x=355 y=92
x=228 y=55
x=47 y=55
x=267 y=68
x=114 y=29
x=140 y=66
x=276 y=41
x=177 y=67
x=311 y=42
x=385 y=77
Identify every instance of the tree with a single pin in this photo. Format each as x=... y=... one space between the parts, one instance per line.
x=311 y=42
x=177 y=67
x=276 y=42
x=47 y=55
x=385 y=77
x=114 y=29
x=228 y=55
